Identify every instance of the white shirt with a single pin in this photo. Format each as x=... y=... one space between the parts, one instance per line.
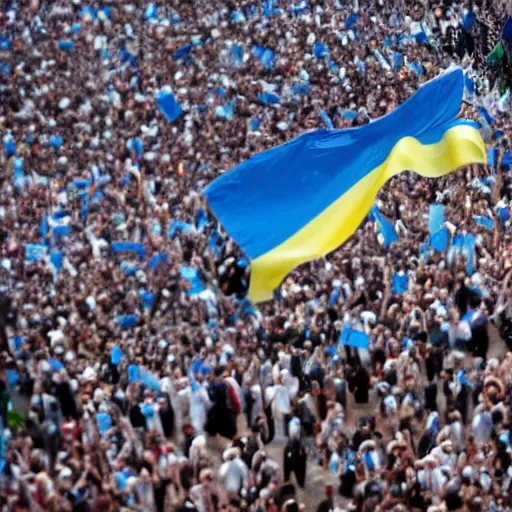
x=233 y=473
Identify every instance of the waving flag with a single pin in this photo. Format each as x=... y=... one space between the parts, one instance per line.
x=303 y=199
x=386 y=228
x=168 y=105
x=439 y=235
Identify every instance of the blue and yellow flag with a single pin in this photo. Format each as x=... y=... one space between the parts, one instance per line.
x=303 y=199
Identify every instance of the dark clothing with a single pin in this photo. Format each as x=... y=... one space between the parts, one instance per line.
x=359 y=438
x=307 y=420
x=340 y=390
x=425 y=445
x=430 y=367
x=461 y=403
x=137 y=419
x=462 y=299
x=325 y=506
x=431 y=397
x=66 y=400
x=296 y=367
x=187 y=476
x=361 y=386
x=271 y=425
x=322 y=406
x=415 y=498
x=221 y=419
x=295 y=459
x=480 y=336
x=250 y=450
x=167 y=419
x=348 y=481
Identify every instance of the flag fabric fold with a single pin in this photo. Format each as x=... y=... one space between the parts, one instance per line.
x=303 y=199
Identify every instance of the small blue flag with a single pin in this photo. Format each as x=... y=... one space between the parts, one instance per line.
x=226 y=111
x=88 y=11
x=129 y=269
x=151 y=11
x=398 y=60
x=267 y=59
x=320 y=51
x=12 y=377
x=191 y=274
x=56 y=259
x=34 y=252
x=484 y=221
x=10 y=148
x=116 y=354
x=350 y=21
x=183 y=53
x=300 y=7
x=60 y=231
x=129 y=247
x=4 y=43
x=507 y=159
x=104 y=422
x=468 y=21
x=133 y=373
x=202 y=219
x=237 y=17
x=265 y=55
x=237 y=55
x=147 y=299
x=105 y=11
x=176 y=225
x=157 y=260
x=416 y=68
x=438 y=232
x=150 y=381
x=345 y=333
x=301 y=88
x=169 y=107
x=350 y=115
x=136 y=145
x=386 y=227
x=326 y=119
x=483 y=112
x=352 y=338
x=66 y=46
x=400 y=283
x=269 y=9
x=269 y=98
x=127 y=321
x=56 y=141
x=466 y=245
x=334 y=296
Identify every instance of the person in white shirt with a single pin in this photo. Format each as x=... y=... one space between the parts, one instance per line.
x=233 y=472
x=199 y=406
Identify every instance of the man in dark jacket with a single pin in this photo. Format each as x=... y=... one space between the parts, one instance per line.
x=295 y=459
x=166 y=413
x=221 y=419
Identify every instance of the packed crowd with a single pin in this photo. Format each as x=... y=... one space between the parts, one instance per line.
x=134 y=374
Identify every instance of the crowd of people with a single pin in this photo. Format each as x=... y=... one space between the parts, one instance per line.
x=134 y=374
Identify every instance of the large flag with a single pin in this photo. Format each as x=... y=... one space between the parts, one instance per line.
x=303 y=199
